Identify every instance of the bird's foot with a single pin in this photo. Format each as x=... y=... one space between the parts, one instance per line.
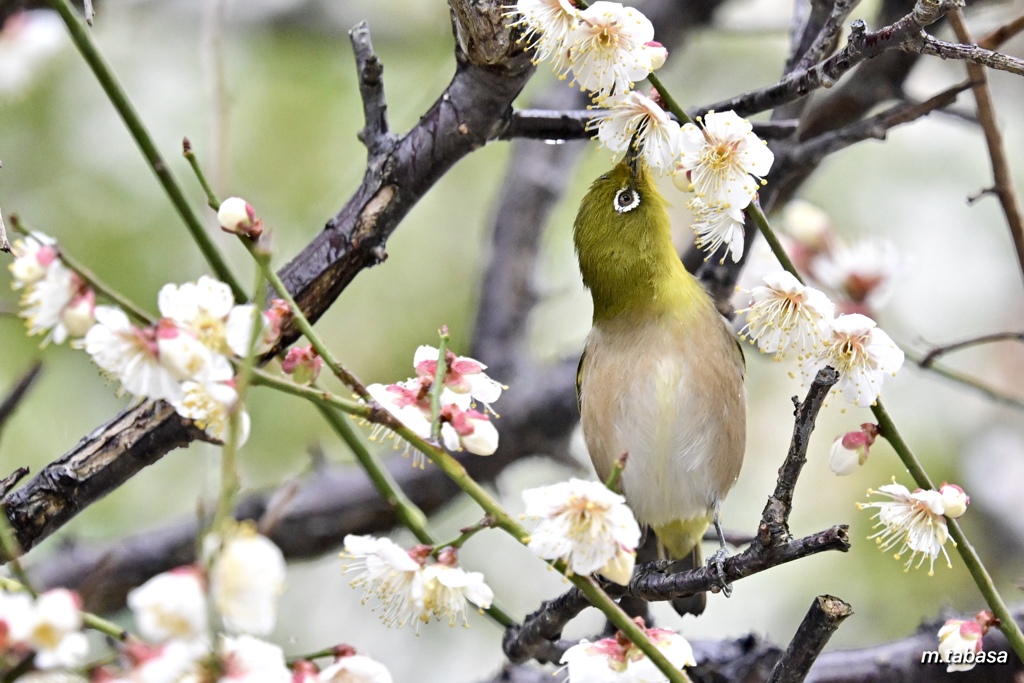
x=716 y=565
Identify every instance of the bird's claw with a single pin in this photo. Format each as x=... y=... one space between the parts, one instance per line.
x=716 y=565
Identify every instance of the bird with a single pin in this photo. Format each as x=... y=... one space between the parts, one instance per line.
x=660 y=380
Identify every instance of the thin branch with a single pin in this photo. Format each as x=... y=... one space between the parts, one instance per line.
x=17 y=393
x=821 y=621
x=936 y=352
x=970 y=382
x=1003 y=180
x=827 y=36
x=972 y=54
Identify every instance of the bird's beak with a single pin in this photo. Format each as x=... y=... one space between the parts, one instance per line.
x=633 y=156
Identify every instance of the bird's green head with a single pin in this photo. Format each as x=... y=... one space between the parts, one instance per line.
x=624 y=244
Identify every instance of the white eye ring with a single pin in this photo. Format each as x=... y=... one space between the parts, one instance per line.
x=626 y=200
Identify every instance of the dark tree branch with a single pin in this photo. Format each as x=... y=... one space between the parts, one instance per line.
x=820 y=622
x=18 y=392
x=929 y=45
x=555 y=125
x=828 y=35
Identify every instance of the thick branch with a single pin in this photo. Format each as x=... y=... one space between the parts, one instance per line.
x=820 y=622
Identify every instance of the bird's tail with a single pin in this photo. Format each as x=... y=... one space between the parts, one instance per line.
x=680 y=541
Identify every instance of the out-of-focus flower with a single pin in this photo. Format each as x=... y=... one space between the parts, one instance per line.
x=584 y=524
x=547 y=27
x=245 y=659
x=716 y=226
x=657 y=135
x=609 y=48
x=390 y=574
x=355 y=668
x=785 y=315
x=246 y=581
x=468 y=429
x=130 y=355
x=913 y=521
x=447 y=587
x=59 y=304
x=303 y=363
x=28 y=41
x=238 y=217
x=722 y=160
x=618 y=660
x=863 y=275
x=862 y=354
x=184 y=356
x=175 y=661
x=209 y=403
x=808 y=232
x=850 y=450
x=33 y=256
x=240 y=322
x=53 y=630
x=15 y=618
x=960 y=642
x=171 y=606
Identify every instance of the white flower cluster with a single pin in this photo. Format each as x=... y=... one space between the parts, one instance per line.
x=409 y=587
x=465 y=383
x=587 y=526
x=787 y=316
x=177 y=639
x=607 y=48
x=618 y=660
x=182 y=359
x=916 y=521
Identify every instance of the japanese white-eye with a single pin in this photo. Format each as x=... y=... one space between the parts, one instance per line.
x=661 y=377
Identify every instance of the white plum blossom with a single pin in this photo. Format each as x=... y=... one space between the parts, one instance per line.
x=355 y=668
x=468 y=429
x=130 y=355
x=447 y=588
x=913 y=521
x=33 y=256
x=209 y=403
x=633 y=113
x=239 y=326
x=954 y=500
x=464 y=377
x=547 y=28
x=716 y=226
x=609 y=48
x=722 y=160
x=863 y=275
x=584 y=524
x=245 y=659
x=175 y=661
x=960 y=642
x=785 y=315
x=59 y=305
x=171 y=606
x=617 y=660
x=389 y=573
x=184 y=356
x=246 y=581
x=862 y=354
x=54 y=630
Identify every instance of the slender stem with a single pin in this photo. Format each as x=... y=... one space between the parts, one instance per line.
x=438 y=386
x=98 y=285
x=190 y=156
x=668 y=100
x=303 y=323
x=465 y=534
x=612 y=482
x=755 y=214
x=119 y=98
x=90 y=620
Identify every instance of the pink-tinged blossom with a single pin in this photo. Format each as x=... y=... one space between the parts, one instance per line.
x=609 y=51
x=171 y=606
x=238 y=217
x=184 y=356
x=303 y=363
x=618 y=660
x=33 y=256
x=59 y=305
x=390 y=574
x=246 y=581
x=863 y=275
x=129 y=354
x=586 y=525
x=862 y=354
x=915 y=522
x=785 y=315
x=175 y=661
x=715 y=226
x=464 y=377
x=468 y=429
x=954 y=500
x=850 y=450
x=547 y=27
x=354 y=668
x=722 y=160
x=631 y=113
x=240 y=323
x=245 y=659
x=960 y=642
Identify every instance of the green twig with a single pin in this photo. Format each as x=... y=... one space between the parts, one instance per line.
x=190 y=156
x=119 y=98
x=668 y=100
x=465 y=534
x=755 y=214
x=438 y=386
x=98 y=285
x=612 y=483
x=303 y=323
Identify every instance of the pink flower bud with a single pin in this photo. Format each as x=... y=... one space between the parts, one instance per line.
x=238 y=217
x=303 y=364
x=954 y=500
x=658 y=54
x=850 y=450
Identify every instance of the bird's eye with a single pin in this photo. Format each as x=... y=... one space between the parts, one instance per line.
x=626 y=200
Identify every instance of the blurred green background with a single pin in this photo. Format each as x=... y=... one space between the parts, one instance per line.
x=71 y=170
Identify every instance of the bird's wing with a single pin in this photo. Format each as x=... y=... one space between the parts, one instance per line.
x=579 y=381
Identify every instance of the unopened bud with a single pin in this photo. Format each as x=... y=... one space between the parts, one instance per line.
x=238 y=217
x=954 y=500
